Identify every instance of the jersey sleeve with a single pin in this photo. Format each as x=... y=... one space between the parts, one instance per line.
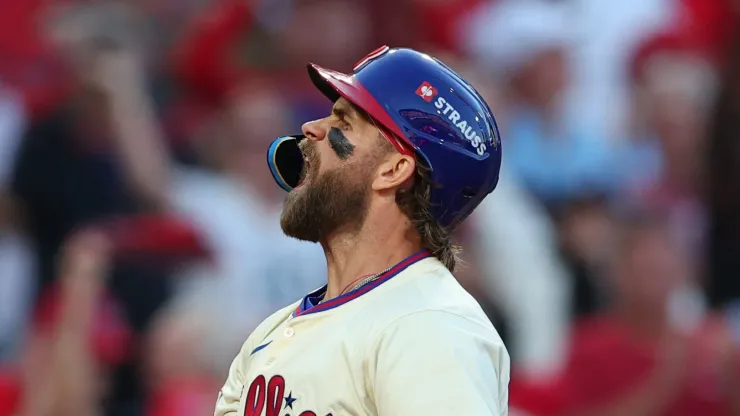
x=439 y=363
x=227 y=403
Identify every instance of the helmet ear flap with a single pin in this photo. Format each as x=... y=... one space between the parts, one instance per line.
x=285 y=160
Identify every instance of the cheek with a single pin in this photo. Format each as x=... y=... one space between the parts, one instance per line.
x=326 y=160
x=337 y=175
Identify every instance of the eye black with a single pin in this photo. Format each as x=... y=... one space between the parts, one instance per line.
x=339 y=143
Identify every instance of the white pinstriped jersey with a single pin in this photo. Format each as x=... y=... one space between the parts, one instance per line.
x=411 y=342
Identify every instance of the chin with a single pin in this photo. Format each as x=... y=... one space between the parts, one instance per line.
x=316 y=208
x=300 y=233
x=294 y=220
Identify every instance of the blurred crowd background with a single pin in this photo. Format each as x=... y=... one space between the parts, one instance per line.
x=139 y=233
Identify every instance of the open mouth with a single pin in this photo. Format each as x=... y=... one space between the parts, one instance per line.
x=304 y=174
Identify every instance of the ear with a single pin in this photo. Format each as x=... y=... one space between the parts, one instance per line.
x=396 y=170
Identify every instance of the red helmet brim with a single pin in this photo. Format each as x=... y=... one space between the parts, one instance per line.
x=335 y=84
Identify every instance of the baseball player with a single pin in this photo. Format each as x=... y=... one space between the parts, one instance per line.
x=407 y=153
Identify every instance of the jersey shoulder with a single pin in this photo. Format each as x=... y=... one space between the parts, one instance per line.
x=432 y=287
x=264 y=329
x=427 y=291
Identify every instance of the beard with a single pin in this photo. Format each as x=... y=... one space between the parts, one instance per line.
x=335 y=200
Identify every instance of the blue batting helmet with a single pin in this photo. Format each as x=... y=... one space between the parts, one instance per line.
x=423 y=108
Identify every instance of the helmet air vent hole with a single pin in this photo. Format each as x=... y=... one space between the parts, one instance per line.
x=467 y=192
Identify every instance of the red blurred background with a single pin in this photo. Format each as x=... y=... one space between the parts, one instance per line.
x=139 y=240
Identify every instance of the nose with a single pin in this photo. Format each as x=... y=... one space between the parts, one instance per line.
x=315 y=130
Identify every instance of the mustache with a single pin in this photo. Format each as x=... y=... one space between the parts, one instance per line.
x=308 y=149
x=310 y=156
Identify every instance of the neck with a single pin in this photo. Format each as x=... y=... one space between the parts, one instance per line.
x=377 y=246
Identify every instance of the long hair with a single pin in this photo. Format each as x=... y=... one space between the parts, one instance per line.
x=415 y=203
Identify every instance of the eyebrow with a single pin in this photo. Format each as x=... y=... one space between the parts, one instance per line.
x=349 y=112
x=344 y=112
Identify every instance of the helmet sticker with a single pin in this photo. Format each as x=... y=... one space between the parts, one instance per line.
x=426 y=91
